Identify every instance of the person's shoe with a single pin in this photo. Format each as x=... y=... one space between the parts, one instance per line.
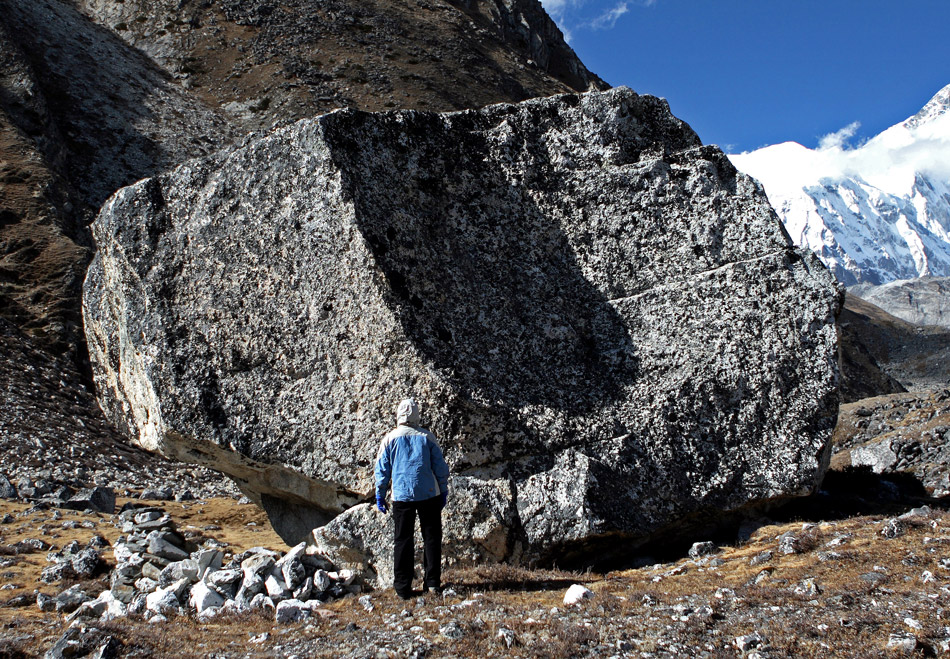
x=405 y=596
x=435 y=590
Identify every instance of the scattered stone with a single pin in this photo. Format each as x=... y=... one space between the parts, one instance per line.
x=224 y=582
x=7 y=490
x=98 y=542
x=208 y=560
x=788 y=543
x=147 y=516
x=262 y=602
x=306 y=590
x=452 y=631
x=45 y=602
x=750 y=642
x=893 y=528
x=30 y=545
x=158 y=494
x=162 y=601
x=276 y=587
x=57 y=572
x=761 y=557
x=507 y=637
x=87 y=642
x=101 y=499
x=160 y=544
x=762 y=576
x=86 y=563
x=321 y=581
x=291 y=611
x=173 y=572
x=917 y=514
x=18 y=601
x=873 y=577
x=70 y=599
x=203 y=598
x=825 y=556
x=702 y=549
x=903 y=641
x=808 y=587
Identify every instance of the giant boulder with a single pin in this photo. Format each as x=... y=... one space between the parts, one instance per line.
x=606 y=324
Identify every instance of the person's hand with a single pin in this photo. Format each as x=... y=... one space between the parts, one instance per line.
x=445 y=498
x=381 y=505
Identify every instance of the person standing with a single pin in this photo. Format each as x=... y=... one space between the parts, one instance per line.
x=410 y=458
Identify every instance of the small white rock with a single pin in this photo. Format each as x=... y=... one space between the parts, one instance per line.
x=203 y=598
x=162 y=601
x=576 y=593
x=750 y=641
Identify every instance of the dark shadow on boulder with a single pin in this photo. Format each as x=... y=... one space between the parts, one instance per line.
x=484 y=281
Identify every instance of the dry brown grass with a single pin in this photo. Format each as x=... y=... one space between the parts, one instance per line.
x=633 y=609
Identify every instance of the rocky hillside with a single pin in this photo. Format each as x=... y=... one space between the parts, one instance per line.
x=882 y=354
x=263 y=61
x=922 y=301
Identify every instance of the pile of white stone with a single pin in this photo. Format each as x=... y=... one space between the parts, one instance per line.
x=159 y=573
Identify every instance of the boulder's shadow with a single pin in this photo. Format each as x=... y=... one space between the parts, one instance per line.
x=855 y=491
x=483 y=279
x=846 y=493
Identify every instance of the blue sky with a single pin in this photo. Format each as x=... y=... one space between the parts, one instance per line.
x=748 y=73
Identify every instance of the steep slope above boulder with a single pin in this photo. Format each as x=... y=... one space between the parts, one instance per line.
x=264 y=61
x=81 y=115
x=605 y=322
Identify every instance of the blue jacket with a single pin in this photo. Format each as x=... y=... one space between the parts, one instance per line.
x=410 y=458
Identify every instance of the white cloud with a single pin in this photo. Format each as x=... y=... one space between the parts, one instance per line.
x=891 y=159
x=555 y=6
x=573 y=15
x=888 y=161
x=839 y=139
x=609 y=18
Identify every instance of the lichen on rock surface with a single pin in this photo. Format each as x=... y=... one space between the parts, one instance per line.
x=606 y=324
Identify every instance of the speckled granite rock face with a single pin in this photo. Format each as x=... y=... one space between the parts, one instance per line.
x=605 y=323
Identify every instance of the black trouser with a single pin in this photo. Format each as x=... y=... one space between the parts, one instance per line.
x=430 y=519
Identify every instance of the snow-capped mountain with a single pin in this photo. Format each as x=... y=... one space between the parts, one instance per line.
x=875 y=213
